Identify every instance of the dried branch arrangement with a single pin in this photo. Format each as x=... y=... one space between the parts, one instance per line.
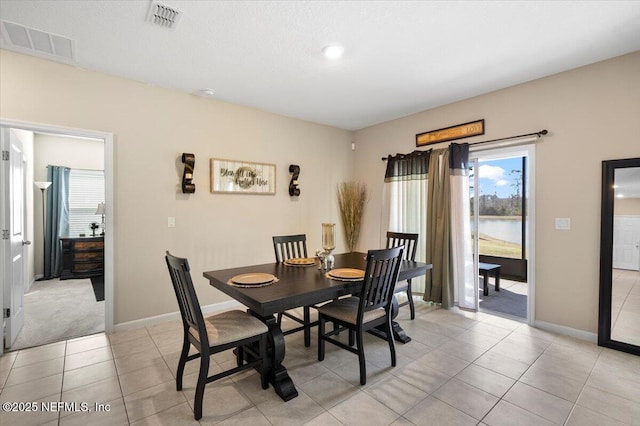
x=352 y=197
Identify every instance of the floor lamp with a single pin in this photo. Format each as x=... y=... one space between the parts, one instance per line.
x=43 y=187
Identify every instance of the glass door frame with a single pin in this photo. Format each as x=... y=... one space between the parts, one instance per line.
x=476 y=153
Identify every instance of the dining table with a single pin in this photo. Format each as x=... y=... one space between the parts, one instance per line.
x=294 y=287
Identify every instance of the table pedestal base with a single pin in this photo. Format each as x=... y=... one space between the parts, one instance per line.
x=277 y=374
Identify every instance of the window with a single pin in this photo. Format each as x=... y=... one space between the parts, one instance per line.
x=86 y=190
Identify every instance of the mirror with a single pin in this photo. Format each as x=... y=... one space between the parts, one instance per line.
x=619 y=322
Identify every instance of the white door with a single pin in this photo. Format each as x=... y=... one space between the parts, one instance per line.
x=14 y=224
x=626 y=242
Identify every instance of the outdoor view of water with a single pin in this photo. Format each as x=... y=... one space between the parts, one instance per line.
x=503 y=229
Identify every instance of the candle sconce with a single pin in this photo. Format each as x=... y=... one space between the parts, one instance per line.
x=189 y=160
x=294 y=191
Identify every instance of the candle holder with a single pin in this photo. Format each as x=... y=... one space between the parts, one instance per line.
x=328 y=244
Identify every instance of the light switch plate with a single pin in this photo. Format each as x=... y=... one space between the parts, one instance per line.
x=563 y=223
x=171 y=222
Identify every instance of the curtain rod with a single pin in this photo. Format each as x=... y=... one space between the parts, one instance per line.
x=540 y=133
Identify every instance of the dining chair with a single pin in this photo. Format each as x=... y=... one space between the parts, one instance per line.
x=288 y=247
x=370 y=309
x=213 y=334
x=410 y=243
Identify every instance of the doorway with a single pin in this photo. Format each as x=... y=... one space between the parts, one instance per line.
x=503 y=228
x=106 y=142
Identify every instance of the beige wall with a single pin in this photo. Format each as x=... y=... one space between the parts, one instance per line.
x=77 y=153
x=152 y=127
x=627 y=206
x=592 y=115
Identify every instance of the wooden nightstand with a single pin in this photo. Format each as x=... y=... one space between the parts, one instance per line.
x=82 y=257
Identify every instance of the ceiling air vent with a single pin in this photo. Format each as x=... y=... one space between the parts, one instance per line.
x=35 y=42
x=163 y=15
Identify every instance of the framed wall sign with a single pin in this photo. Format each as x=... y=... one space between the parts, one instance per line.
x=242 y=177
x=465 y=130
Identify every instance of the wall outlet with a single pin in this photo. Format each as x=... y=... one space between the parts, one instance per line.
x=563 y=223
x=171 y=222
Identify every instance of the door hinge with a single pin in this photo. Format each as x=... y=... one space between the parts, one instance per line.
x=5 y=155
x=7 y=313
x=5 y=234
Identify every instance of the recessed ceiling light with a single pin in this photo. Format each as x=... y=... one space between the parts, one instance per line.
x=333 y=52
x=620 y=195
x=206 y=92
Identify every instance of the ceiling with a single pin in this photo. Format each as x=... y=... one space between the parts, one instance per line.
x=400 y=57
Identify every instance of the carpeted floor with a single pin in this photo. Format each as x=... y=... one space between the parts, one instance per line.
x=510 y=300
x=57 y=310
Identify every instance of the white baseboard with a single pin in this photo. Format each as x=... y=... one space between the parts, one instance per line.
x=567 y=331
x=145 y=322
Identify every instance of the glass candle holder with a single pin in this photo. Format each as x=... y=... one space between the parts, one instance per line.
x=328 y=243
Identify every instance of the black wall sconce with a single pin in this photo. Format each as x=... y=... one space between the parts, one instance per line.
x=189 y=160
x=294 y=169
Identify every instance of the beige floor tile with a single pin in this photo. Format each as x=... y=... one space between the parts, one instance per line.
x=3 y=377
x=222 y=399
x=441 y=361
x=614 y=406
x=351 y=372
x=501 y=322
x=465 y=351
x=538 y=402
x=582 y=416
x=144 y=378
x=552 y=383
x=396 y=394
x=501 y=364
x=153 y=400
x=86 y=358
x=39 y=354
x=517 y=351
x=297 y=411
x=324 y=419
x=507 y=414
x=536 y=332
x=563 y=367
x=35 y=371
x=127 y=335
x=87 y=343
x=7 y=360
x=433 y=412
x=541 y=373
x=422 y=377
x=252 y=417
x=490 y=330
x=98 y=392
x=113 y=413
x=481 y=340
x=36 y=416
x=141 y=344
x=362 y=409
x=141 y=360
x=484 y=379
x=89 y=374
x=328 y=389
x=401 y=421
x=466 y=398
x=178 y=415
x=33 y=390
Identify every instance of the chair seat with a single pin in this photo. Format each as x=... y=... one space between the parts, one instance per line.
x=230 y=326
x=347 y=310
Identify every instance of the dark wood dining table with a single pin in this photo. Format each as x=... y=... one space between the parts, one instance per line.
x=298 y=286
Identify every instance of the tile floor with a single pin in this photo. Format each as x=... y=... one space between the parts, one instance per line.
x=460 y=369
x=625 y=306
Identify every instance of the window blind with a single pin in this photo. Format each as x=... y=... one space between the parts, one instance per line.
x=86 y=190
